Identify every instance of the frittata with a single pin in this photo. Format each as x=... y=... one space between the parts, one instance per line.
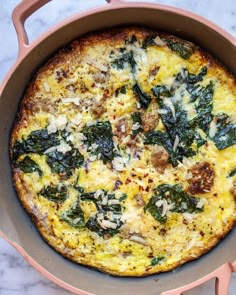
x=123 y=151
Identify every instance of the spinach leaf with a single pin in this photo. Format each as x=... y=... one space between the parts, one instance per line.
x=79 y=189
x=226 y=132
x=74 y=216
x=107 y=205
x=93 y=225
x=123 y=197
x=98 y=200
x=127 y=58
x=136 y=118
x=178 y=129
x=64 y=163
x=189 y=78
x=101 y=135
x=204 y=107
x=161 y=91
x=37 y=142
x=183 y=48
x=123 y=89
x=155 y=211
x=131 y=40
x=144 y=98
x=27 y=165
x=157 y=260
x=55 y=193
x=232 y=173
x=177 y=200
x=148 y=41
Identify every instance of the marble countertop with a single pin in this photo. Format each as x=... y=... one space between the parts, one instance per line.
x=17 y=277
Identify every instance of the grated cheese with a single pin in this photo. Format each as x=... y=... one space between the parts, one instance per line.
x=56 y=124
x=74 y=100
x=212 y=129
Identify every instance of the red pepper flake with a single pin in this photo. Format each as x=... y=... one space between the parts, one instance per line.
x=150 y=180
x=145 y=175
x=147 y=189
x=133 y=174
x=141 y=188
x=127 y=181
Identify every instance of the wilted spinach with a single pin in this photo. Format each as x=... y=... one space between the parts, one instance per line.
x=179 y=137
x=99 y=201
x=161 y=91
x=178 y=200
x=204 y=106
x=101 y=135
x=132 y=39
x=74 y=216
x=127 y=58
x=55 y=193
x=143 y=98
x=137 y=119
x=79 y=189
x=189 y=78
x=64 y=163
x=37 y=142
x=232 y=173
x=226 y=132
x=103 y=208
x=93 y=225
x=27 y=165
x=149 y=41
x=157 y=260
x=183 y=48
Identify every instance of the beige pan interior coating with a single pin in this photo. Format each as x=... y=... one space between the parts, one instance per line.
x=17 y=226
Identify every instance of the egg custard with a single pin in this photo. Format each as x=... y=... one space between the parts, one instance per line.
x=123 y=151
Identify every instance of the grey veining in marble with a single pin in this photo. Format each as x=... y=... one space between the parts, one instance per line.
x=17 y=277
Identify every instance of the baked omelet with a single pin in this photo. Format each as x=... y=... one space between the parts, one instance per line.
x=123 y=151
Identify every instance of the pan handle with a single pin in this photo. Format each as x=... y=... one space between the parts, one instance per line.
x=20 y=14
x=222 y=275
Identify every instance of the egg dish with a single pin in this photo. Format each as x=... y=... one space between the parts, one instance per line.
x=123 y=151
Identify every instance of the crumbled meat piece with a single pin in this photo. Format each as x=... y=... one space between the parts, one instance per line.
x=150 y=118
x=162 y=231
x=153 y=71
x=233 y=189
x=202 y=178
x=122 y=128
x=98 y=109
x=139 y=200
x=159 y=158
x=43 y=105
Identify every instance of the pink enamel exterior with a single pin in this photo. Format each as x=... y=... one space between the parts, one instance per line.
x=20 y=14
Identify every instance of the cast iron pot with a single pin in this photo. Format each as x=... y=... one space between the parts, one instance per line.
x=17 y=228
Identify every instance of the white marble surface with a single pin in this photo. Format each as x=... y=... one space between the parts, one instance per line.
x=17 y=277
